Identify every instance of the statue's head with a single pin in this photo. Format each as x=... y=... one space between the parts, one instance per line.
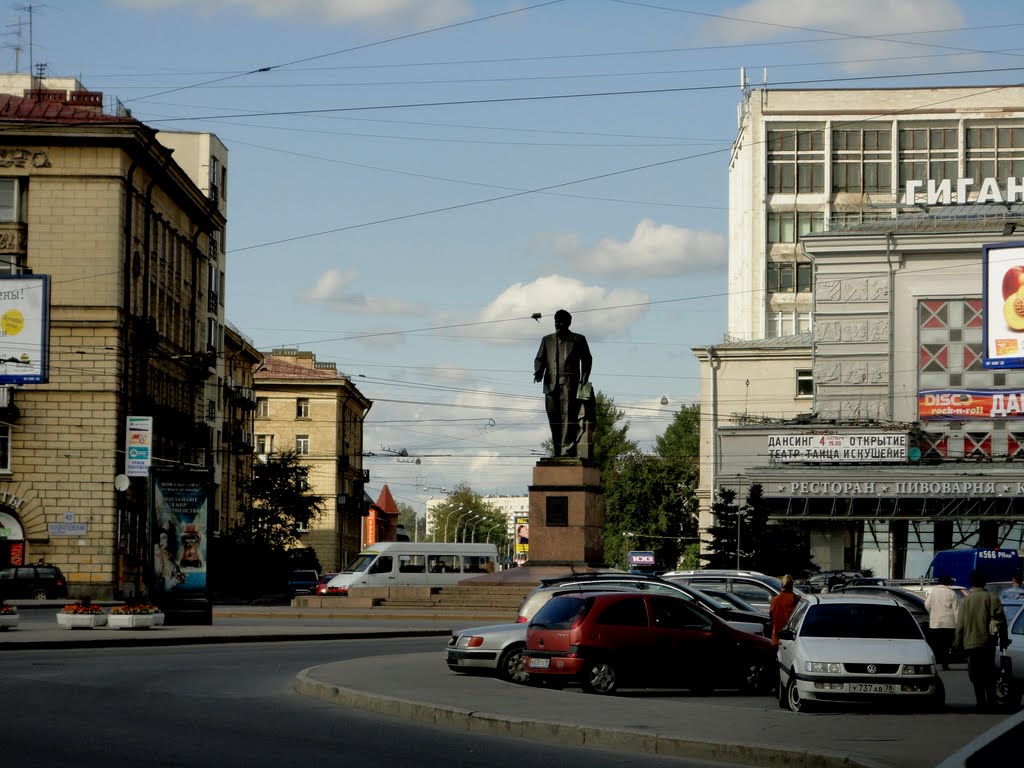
x=562 y=319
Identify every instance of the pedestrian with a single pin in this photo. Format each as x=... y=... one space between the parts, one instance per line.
x=942 y=607
x=779 y=611
x=980 y=626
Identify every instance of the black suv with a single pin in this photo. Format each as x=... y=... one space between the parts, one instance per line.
x=34 y=582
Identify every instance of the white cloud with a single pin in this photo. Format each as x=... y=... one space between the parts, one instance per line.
x=620 y=307
x=334 y=289
x=425 y=13
x=653 y=251
x=770 y=19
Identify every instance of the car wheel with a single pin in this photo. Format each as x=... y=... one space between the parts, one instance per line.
x=600 y=677
x=39 y=594
x=755 y=678
x=511 y=667
x=782 y=696
x=793 y=698
x=937 y=702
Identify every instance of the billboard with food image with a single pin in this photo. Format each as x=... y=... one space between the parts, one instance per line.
x=1003 y=305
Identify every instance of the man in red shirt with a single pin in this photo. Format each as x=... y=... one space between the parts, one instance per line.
x=782 y=607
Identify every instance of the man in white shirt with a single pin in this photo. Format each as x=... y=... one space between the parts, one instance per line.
x=942 y=608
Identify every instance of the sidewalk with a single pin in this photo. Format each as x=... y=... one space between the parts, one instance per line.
x=726 y=728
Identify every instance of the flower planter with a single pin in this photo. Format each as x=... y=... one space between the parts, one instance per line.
x=158 y=619
x=81 y=620
x=131 y=620
x=8 y=621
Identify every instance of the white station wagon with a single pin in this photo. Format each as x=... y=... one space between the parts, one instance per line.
x=840 y=648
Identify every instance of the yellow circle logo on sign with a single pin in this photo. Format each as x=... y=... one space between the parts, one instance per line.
x=12 y=322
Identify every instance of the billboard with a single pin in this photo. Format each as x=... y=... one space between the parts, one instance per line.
x=970 y=404
x=24 y=329
x=1003 y=305
x=180 y=503
x=837 y=449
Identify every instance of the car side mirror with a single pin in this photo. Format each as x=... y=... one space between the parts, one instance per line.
x=786 y=634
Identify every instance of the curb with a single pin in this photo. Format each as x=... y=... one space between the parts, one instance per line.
x=135 y=641
x=569 y=734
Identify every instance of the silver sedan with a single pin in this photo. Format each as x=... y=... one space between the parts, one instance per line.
x=496 y=649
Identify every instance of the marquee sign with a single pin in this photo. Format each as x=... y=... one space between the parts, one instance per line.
x=838 y=449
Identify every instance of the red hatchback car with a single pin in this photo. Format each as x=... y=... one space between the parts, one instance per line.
x=612 y=640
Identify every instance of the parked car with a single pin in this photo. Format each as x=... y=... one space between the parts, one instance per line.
x=612 y=640
x=498 y=649
x=855 y=648
x=912 y=601
x=1016 y=649
x=321 y=585
x=32 y=582
x=746 y=621
x=303 y=582
x=728 y=599
x=756 y=588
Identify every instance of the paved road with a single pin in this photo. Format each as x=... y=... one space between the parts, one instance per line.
x=750 y=730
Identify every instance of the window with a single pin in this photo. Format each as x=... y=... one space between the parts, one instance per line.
x=995 y=151
x=264 y=444
x=928 y=152
x=796 y=160
x=302 y=445
x=443 y=563
x=625 y=613
x=262 y=408
x=804 y=273
x=412 y=564
x=780 y=227
x=12 y=202
x=804 y=382
x=302 y=408
x=5 y=448
x=672 y=613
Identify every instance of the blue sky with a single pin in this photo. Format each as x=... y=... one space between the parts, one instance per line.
x=410 y=180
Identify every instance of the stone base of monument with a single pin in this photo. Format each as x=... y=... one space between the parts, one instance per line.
x=566 y=516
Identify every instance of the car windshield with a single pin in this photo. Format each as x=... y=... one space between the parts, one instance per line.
x=360 y=564
x=860 y=620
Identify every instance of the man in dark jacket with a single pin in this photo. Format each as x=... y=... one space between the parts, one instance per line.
x=980 y=624
x=563 y=363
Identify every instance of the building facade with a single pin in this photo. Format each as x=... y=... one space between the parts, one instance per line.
x=854 y=214
x=98 y=205
x=306 y=406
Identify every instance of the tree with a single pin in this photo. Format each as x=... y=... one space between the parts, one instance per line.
x=722 y=533
x=650 y=500
x=256 y=556
x=415 y=526
x=647 y=508
x=280 y=502
x=464 y=515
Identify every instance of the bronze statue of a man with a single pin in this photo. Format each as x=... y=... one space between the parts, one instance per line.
x=563 y=363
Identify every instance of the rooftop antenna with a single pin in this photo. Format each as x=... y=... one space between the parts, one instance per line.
x=18 y=26
x=30 y=10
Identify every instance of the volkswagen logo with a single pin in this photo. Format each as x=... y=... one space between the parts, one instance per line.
x=872 y=669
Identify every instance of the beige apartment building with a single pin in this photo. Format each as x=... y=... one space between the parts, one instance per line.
x=307 y=406
x=936 y=170
x=97 y=204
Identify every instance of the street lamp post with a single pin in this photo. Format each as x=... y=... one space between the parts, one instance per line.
x=479 y=519
x=465 y=527
x=458 y=521
x=447 y=519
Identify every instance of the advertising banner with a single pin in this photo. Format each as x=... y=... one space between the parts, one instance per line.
x=969 y=404
x=522 y=538
x=24 y=329
x=138 y=446
x=1003 y=305
x=180 y=517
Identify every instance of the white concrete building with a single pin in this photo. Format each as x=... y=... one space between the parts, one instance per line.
x=932 y=171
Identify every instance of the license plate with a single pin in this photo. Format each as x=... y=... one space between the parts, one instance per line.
x=540 y=663
x=871 y=688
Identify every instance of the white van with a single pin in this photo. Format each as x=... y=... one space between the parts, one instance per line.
x=406 y=564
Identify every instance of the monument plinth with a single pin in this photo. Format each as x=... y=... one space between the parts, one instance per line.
x=566 y=514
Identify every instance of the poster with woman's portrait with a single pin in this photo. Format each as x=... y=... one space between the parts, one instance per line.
x=179 y=509
x=522 y=537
